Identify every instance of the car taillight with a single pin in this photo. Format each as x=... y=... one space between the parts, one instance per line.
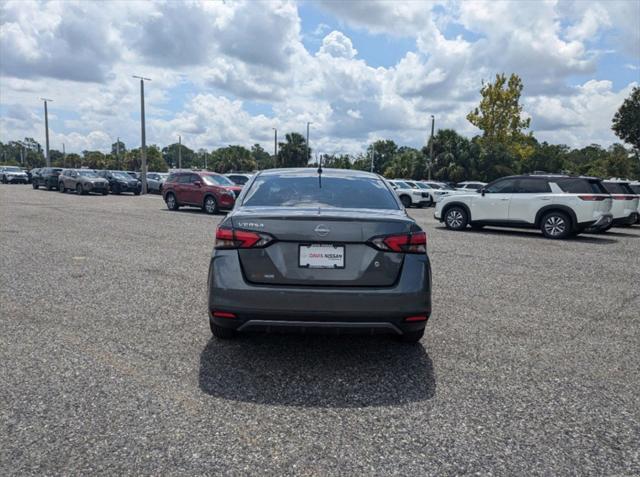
x=631 y=197
x=592 y=197
x=405 y=243
x=227 y=238
x=619 y=197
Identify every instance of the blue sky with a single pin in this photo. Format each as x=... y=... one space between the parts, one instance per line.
x=228 y=72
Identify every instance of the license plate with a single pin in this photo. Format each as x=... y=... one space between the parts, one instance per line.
x=321 y=256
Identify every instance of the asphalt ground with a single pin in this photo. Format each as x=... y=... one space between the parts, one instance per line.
x=529 y=366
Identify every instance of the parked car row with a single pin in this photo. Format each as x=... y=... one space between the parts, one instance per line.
x=559 y=205
x=424 y=193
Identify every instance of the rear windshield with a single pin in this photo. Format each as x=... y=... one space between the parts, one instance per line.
x=581 y=186
x=618 y=188
x=635 y=188
x=336 y=192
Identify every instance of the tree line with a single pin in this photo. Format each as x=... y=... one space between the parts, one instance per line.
x=503 y=148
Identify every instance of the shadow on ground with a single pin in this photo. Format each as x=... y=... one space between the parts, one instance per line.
x=596 y=239
x=317 y=370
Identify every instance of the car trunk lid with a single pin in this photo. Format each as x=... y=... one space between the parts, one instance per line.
x=348 y=231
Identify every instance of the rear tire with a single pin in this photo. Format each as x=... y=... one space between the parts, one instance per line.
x=220 y=332
x=406 y=201
x=105 y=192
x=412 y=336
x=115 y=189
x=456 y=218
x=136 y=192
x=34 y=185
x=172 y=202
x=556 y=225
x=61 y=188
x=79 y=190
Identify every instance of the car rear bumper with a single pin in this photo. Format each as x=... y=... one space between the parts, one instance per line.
x=339 y=309
x=602 y=222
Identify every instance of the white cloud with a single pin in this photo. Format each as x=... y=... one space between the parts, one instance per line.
x=214 y=64
x=339 y=45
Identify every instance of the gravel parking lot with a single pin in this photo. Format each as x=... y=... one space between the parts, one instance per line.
x=529 y=364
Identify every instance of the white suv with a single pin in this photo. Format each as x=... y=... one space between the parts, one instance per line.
x=635 y=187
x=625 y=203
x=559 y=206
x=409 y=195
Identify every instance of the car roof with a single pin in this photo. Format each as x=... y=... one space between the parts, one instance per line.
x=313 y=172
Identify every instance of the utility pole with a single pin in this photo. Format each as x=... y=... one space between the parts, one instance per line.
x=64 y=156
x=118 y=153
x=373 y=155
x=22 y=155
x=179 y=152
x=46 y=129
x=275 y=146
x=308 y=149
x=433 y=121
x=143 y=148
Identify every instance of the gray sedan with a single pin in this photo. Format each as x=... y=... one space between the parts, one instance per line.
x=303 y=250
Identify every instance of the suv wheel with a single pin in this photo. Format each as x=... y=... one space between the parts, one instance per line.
x=220 y=332
x=61 y=187
x=210 y=205
x=34 y=185
x=79 y=190
x=456 y=218
x=406 y=201
x=172 y=203
x=556 y=225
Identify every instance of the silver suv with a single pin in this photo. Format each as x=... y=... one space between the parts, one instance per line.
x=559 y=205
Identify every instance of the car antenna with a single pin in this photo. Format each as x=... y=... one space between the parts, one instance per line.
x=319 y=161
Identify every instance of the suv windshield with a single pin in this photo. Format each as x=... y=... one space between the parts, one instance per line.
x=86 y=173
x=401 y=185
x=121 y=175
x=12 y=169
x=213 y=179
x=337 y=192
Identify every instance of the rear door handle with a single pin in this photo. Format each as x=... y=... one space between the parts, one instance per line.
x=545 y=198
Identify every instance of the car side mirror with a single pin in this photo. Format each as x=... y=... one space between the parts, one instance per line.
x=394 y=187
x=197 y=184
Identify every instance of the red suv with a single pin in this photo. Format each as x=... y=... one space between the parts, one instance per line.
x=206 y=190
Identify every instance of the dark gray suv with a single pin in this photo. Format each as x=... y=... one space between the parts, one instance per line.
x=303 y=250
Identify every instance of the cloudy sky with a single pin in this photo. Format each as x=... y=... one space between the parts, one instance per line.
x=228 y=72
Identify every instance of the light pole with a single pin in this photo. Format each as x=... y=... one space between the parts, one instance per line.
x=308 y=149
x=179 y=152
x=143 y=148
x=118 y=153
x=46 y=129
x=433 y=121
x=275 y=146
x=373 y=155
x=64 y=156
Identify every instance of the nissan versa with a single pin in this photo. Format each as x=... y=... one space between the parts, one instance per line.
x=310 y=250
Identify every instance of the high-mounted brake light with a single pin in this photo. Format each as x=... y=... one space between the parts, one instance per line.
x=404 y=243
x=228 y=238
x=592 y=197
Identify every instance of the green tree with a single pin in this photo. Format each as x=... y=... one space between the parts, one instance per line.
x=263 y=159
x=171 y=155
x=453 y=158
x=499 y=114
x=332 y=161
x=233 y=158
x=293 y=152
x=626 y=121
x=384 y=151
x=407 y=164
